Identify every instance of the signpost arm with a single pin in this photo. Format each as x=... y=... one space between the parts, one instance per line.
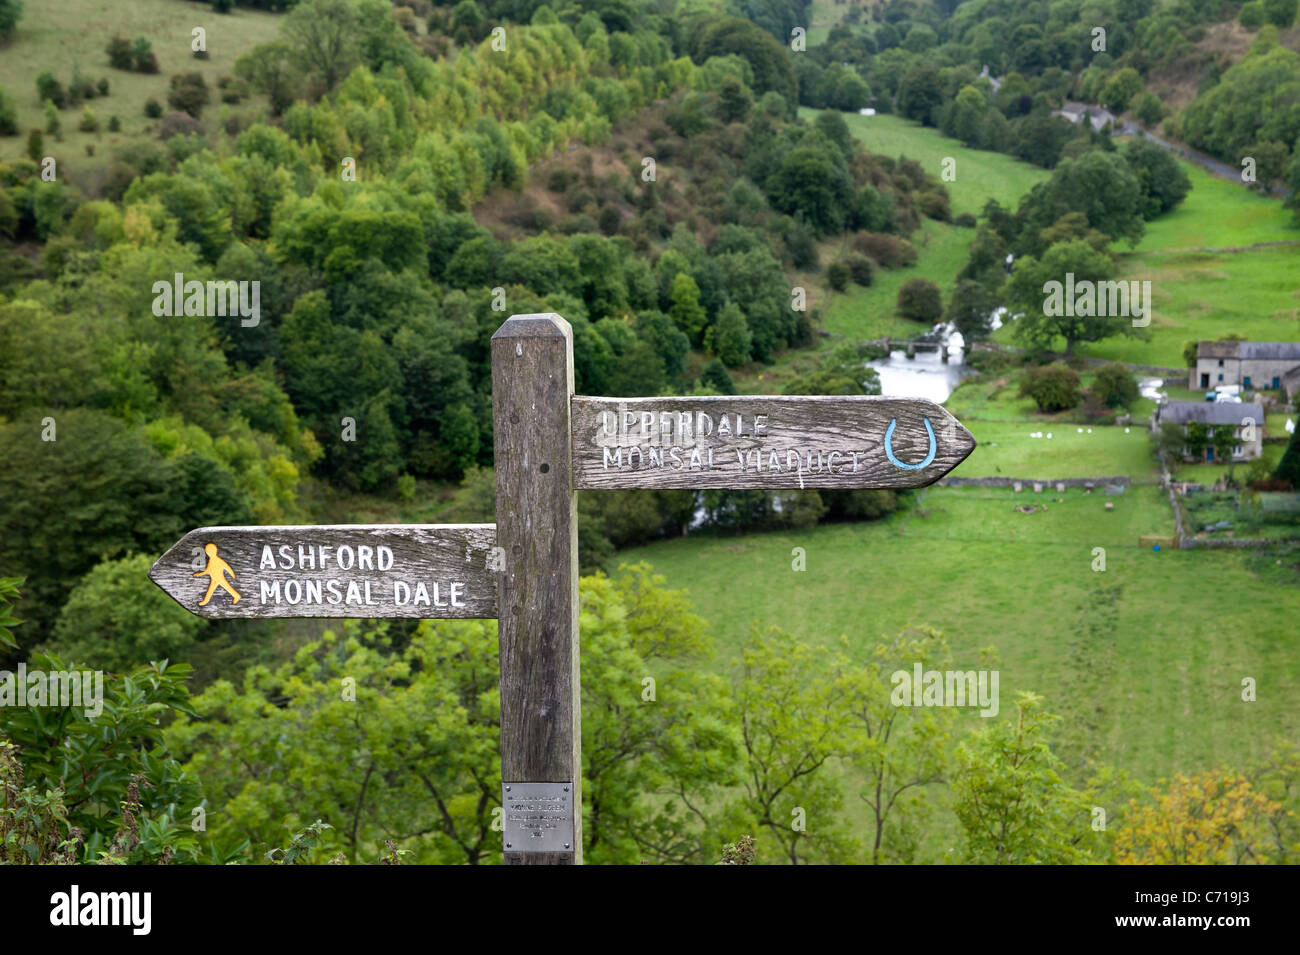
x=537 y=529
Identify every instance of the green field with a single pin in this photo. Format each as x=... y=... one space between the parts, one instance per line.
x=980 y=175
x=861 y=313
x=1006 y=449
x=63 y=36
x=987 y=574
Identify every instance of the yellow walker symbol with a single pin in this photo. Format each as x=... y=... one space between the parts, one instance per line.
x=217 y=570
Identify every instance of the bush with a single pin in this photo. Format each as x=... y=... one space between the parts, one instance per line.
x=920 y=300
x=8 y=116
x=49 y=89
x=35 y=145
x=1252 y=15
x=179 y=124
x=837 y=274
x=1053 y=387
x=965 y=221
x=189 y=93
x=889 y=250
x=114 y=124
x=861 y=269
x=88 y=123
x=142 y=56
x=934 y=205
x=119 y=53
x=1114 y=387
x=152 y=108
x=716 y=380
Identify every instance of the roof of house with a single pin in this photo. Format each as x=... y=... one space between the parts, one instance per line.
x=1217 y=349
x=1275 y=351
x=1211 y=412
x=1271 y=350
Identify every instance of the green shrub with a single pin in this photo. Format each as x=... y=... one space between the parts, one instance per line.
x=114 y=124
x=1053 y=387
x=119 y=52
x=152 y=108
x=1114 y=386
x=49 y=89
x=837 y=274
x=88 y=123
x=920 y=300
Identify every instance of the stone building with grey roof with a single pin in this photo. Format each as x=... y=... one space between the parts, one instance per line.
x=1258 y=366
x=1247 y=421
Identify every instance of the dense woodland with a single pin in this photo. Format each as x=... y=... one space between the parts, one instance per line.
x=400 y=179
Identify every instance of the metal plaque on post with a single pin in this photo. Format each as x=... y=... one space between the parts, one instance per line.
x=538 y=816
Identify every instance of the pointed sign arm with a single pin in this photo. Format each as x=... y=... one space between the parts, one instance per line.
x=764 y=442
x=333 y=570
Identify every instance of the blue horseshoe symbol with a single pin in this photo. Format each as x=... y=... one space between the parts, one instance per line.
x=889 y=447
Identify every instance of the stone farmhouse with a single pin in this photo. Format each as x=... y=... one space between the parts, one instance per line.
x=1258 y=366
x=1247 y=421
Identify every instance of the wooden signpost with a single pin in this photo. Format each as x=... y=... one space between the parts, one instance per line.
x=523 y=570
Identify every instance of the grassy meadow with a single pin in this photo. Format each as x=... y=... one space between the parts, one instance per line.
x=67 y=36
x=989 y=575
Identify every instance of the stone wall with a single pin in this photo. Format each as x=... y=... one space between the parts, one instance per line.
x=1028 y=483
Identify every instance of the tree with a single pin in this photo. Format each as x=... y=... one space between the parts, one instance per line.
x=734 y=101
x=920 y=94
x=114 y=494
x=792 y=725
x=270 y=68
x=970 y=310
x=1148 y=109
x=11 y=12
x=325 y=35
x=1212 y=818
x=843 y=371
x=1053 y=387
x=920 y=300
x=1280 y=13
x=1099 y=184
x=899 y=749
x=116 y=619
x=1288 y=469
x=1037 y=288
x=685 y=309
x=1121 y=88
x=714 y=379
x=1009 y=797
x=812 y=179
x=730 y=337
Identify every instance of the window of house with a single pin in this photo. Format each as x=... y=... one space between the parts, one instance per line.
x=1220 y=362
x=1220 y=378
x=1246 y=381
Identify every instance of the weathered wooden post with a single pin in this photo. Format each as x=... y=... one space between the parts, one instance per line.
x=537 y=529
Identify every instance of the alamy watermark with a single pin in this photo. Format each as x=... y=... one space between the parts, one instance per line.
x=1087 y=299
x=923 y=687
x=211 y=299
x=84 y=688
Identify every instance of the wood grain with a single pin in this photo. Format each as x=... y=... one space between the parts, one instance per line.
x=418 y=556
x=784 y=441
x=537 y=526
